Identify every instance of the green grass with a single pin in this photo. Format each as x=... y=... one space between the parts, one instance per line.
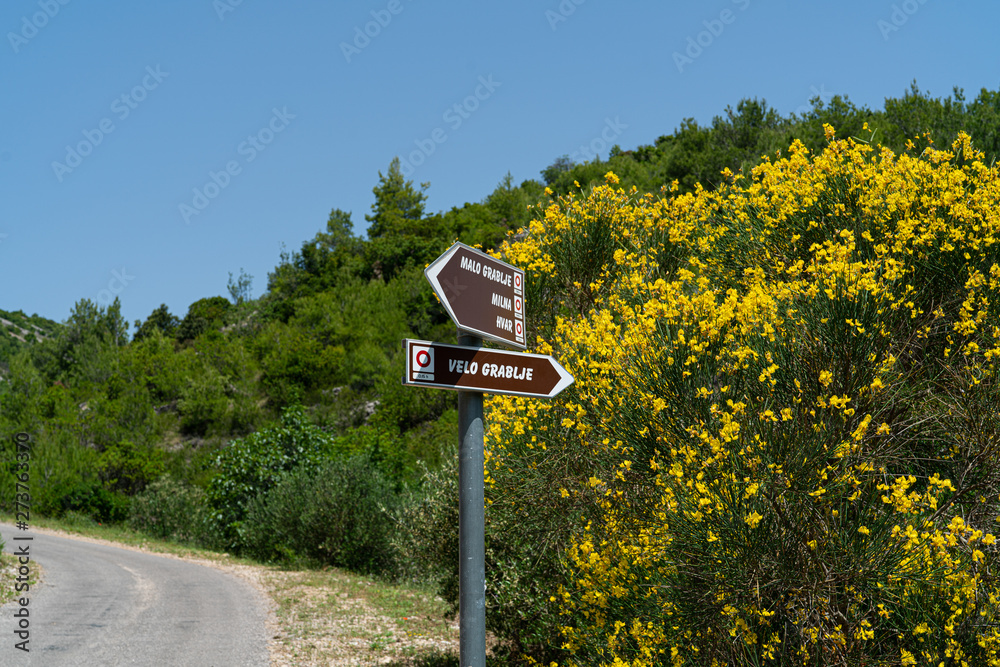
x=79 y=524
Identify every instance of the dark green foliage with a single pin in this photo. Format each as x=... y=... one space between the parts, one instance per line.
x=203 y=403
x=338 y=514
x=323 y=262
x=398 y=209
x=63 y=479
x=202 y=315
x=170 y=509
x=737 y=139
x=426 y=536
x=218 y=397
x=294 y=362
x=252 y=466
x=160 y=366
x=86 y=349
x=119 y=410
x=20 y=395
x=160 y=320
x=90 y=498
x=127 y=468
x=554 y=171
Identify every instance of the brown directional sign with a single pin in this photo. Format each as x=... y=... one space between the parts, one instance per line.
x=482 y=295
x=478 y=369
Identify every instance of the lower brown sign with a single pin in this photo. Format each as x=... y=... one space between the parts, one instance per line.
x=478 y=369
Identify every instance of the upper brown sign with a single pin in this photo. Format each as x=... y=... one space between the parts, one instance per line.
x=483 y=295
x=479 y=369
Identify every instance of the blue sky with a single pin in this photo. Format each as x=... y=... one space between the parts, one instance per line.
x=149 y=149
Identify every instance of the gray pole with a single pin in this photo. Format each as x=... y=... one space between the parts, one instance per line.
x=471 y=532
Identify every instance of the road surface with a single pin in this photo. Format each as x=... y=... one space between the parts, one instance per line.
x=102 y=605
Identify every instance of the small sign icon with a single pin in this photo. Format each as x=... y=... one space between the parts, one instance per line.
x=518 y=307
x=423 y=362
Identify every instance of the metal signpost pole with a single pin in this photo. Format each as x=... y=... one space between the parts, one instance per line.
x=471 y=521
x=485 y=298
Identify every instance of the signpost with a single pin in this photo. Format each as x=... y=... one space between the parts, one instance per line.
x=485 y=298
x=483 y=295
x=488 y=371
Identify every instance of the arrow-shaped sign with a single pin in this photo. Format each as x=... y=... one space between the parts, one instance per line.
x=478 y=369
x=483 y=295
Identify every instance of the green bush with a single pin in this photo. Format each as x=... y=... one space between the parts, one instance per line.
x=126 y=467
x=170 y=509
x=62 y=478
x=426 y=536
x=338 y=515
x=202 y=315
x=252 y=466
x=89 y=497
x=203 y=403
x=294 y=363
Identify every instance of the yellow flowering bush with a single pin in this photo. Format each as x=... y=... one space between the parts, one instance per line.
x=782 y=443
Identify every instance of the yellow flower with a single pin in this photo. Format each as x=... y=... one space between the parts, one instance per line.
x=753 y=519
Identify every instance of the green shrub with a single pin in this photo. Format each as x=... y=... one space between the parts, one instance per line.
x=203 y=403
x=294 y=363
x=252 y=466
x=170 y=509
x=202 y=315
x=89 y=497
x=128 y=468
x=339 y=515
x=426 y=536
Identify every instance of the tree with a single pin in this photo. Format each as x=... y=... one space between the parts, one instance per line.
x=160 y=319
x=510 y=203
x=328 y=255
x=241 y=288
x=399 y=234
x=202 y=315
x=983 y=122
x=560 y=166
x=86 y=349
x=398 y=206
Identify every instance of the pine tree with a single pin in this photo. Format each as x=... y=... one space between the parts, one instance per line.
x=398 y=205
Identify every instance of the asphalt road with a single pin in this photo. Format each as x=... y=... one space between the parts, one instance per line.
x=101 y=605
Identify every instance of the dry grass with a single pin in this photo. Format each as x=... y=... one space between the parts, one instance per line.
x=333 y=617
x=8 y=578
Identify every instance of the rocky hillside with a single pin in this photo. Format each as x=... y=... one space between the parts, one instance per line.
x=18 y=329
